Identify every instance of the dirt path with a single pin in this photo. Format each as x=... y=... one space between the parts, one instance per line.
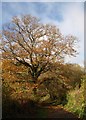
x=47 y=112
x=58 y=112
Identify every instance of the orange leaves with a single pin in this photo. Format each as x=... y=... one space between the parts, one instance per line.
x=6 y=54
x=37 y=50
x=10 y=70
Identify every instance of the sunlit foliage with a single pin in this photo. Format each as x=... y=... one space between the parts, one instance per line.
x=35 y=45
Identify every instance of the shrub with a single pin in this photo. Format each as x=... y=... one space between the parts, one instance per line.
x=76 y=103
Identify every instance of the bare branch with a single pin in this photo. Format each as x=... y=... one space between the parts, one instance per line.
x=36 y=45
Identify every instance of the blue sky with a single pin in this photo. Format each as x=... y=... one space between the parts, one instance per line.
x=68 y=16
x=39 y=9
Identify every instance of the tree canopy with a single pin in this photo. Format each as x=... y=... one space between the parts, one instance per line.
x=26 y=40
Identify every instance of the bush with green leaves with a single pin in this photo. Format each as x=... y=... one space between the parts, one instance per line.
x=76 y=101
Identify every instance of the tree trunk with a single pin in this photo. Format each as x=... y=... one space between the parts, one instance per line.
x=34 y=79
x=35 y=90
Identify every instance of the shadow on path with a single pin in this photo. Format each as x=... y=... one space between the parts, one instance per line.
x=41 y=112
x=58 y=112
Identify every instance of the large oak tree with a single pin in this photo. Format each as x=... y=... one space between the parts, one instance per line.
x=26 y=40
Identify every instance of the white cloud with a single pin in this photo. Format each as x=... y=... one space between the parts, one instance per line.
x=73 y=14
x=73 y=23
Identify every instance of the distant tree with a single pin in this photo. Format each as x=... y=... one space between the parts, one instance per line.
x=73 y=74
x=35 y=45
